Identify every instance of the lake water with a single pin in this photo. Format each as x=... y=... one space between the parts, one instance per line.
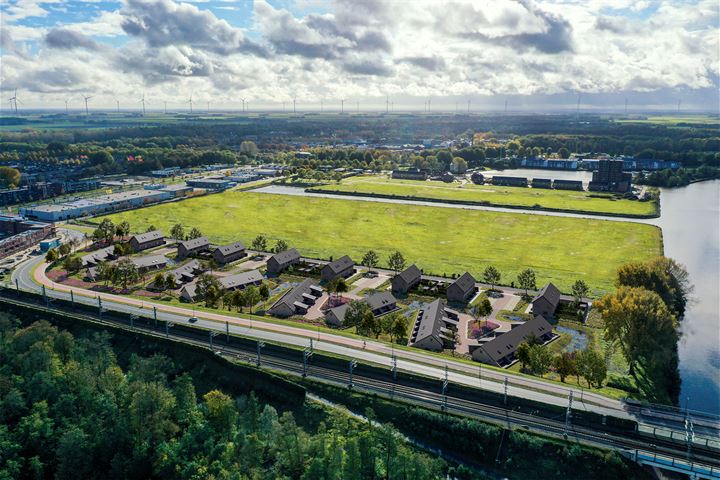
x=690 y=220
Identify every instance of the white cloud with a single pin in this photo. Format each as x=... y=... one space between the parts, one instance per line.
x=371 y=48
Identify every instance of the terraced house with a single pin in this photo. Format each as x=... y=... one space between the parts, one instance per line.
x=406 y=280
x=435 y=327
x=144 y=241
x=280 y=262
x=462 y=289
x=343 y=267
x=297 y=300
x=229 y=253
x=196 y=245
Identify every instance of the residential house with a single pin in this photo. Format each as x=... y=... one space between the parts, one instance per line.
x=187 y=272
x=342 y=267
x=435 y=327
x=406 y=280
x=462 y=289
x=500 y=351
x=229 y=253
x=281 y=261
x=149 y=262
x=240 y=281
x=93 y=258
x=546 y=301
x=196 y=245
x=297 y=300
x=144 y=241
x=380 y=303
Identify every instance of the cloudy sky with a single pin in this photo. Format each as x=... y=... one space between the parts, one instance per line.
x=536 y=55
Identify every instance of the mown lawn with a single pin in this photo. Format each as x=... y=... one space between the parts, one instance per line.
x=440 y=240
x=496 y=195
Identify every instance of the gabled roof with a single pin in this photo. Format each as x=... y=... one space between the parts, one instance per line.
x=295 y=294
x=550 y=293
x=465 y=282
x=429 y=322
x=98 y=255
x=341 y=264
x=380 y=299
x=231 y=248
x=148 y=236
x=186 y=270
x=507 y=343
x=287 y=256
x=410 y=274
x=339 y=311
x=240 y=279
x=195 y=243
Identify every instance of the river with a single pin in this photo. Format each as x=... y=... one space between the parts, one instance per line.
x=690 y=221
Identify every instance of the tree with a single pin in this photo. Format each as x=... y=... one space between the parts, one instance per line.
x=259 y=243
x=52 y=255
x=9 y=177
x=661 y=275
x=248 y=148
x=122 y=249
x=591 y=365
x=482 y=308
x=122 y=229
x=564 y=364
x=264 y=292
x=281 y=246
x=399 y=328
x=222 y=414
x=205 y=283
x=579 y=291
x=151 y=228
x=105 y=231
x=341 y=286
x=64 y=249
x=194 y=233
x=107 y=272
x=396 y=261
x=72 y=264
x=491 y=276
x=177 y=232
x=459 y=165
x=526 y=280
x=127 y=272
x=356 y=312
x=371 y=259
x=522 y=352
x=639 y=322
x=159 y=282
x=170 y=283
x=540 y=359
x=251 y=297
x=563 y=152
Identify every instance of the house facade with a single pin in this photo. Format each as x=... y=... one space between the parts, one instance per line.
x=196 y=245
x=406 y=280
x=435 y=327
x=343 y=267
x=280 y=262
x=546 y=301
x=229 y=253
x=144 y=241
x=500 y=351
x=297 y=300
x=462 y=289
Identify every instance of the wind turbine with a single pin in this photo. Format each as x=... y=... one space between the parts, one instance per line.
x=387 y=103
x=243 y=107
x=165 y=102
x=294 y=100
x=357 y=106
x=117 y=102
x=506 y=106
x=142 y=100
x=678 y=108
x=14 y=99
x=191 y=102
x=86 y=98
x=342 y=105
x=67 y=100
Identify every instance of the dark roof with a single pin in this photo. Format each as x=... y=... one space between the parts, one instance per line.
x=231 y=248
x=186 y=270
x=195 y=243
x=98 y=255
x=341 y=264
x=295 y=294
x=240 y=279
x=287 y=256
x=551 y=293
x=149 y=261
x=428 y=323
x=148 y=236
x=410 y=274
x=380 y=299
x=465 y=282
x=507 y=343
x=339 y=311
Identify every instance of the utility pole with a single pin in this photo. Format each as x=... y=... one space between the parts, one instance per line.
x=227 y=332
x=393 y=369
x=689 y=430
x=44 y=294
x=505 y=393
x=307 y=353
x=72 y=298
x=100 y=309
x=260 y=344
x=155 y=316
x=568 y=415
x=444 y=390
x=168 y=324
x=352 y=364
x=133 y=317
x=212 y=335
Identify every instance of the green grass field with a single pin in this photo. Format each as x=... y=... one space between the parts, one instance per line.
x=515 y=196
x=440 y=240
x=673 y=119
